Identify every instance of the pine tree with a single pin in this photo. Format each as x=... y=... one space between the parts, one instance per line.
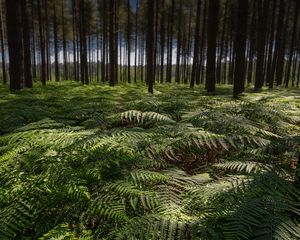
x=15 y=44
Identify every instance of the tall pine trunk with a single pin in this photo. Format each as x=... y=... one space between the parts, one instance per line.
x=26 y=43
x=4 y=76
x=213 y=12
x=150 y=46
x=240 y=48
x=263 y=10
x=15 y=45
x=112 y=42
x=42 y=44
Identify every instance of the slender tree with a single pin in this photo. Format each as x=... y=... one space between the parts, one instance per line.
x=55 y=35
x=26 y=42
x=4 y=76
x=263 y=10
x=240 y=48
x=196 y=45
x=15 y=45
x=293 y=40
x=112 y=42
x=150 y=45
x=42 y=44
x=213 y=12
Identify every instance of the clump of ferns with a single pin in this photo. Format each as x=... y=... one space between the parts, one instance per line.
x=265 y=207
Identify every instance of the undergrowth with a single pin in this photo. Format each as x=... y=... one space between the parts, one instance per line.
x=93 y=162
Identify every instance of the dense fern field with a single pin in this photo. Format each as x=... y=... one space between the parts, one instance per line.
x=93 y=162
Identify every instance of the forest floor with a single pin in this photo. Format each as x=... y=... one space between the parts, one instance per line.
x=117 y=163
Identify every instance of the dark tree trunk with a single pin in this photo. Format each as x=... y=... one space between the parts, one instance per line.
x=200 y=72
x=170 y=39
x=112 y=42
x=179 y=44
x=33 y=41
x=66 y=71
x=196 y=45
x=55 y=33
x=136 y=41
x=15 y=46
x=292 y=46
x=271 y=44
x=263 y=10
x=42 y=44
x=26 y=44
x=213 y=12
x=219 y=67
x=281 y=54
x=150 y=46
x=252 y=43
x=47 y=42
x=104 y=39
x=162 y=40
x=128 y=41
x=4 y=76
x=240 y=48
x=277 y=42
x=74 y=40
x=83 y=45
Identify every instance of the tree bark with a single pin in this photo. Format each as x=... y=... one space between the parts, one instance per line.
x=150 y=46
x=42 y=44
x=263 y=9
x=4 y=75
x=212 y=33
x=112 y=42
x=292 y=46
x=26 y=46
x=15 y=45
x=240 y=48
x=196 y=45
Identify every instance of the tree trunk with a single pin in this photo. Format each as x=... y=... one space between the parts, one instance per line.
x=4 y=76
x=42 y=44
x=65 y=58
x=292 y=46
x=55 y=30
x=15 y=46
x=170 y=39
x=271 y=43
x=212 y=33
x=162 y=40
x=240 y=48
x=128 y=41
x=26 y=44
x=74 y=40
x=83 y=45
x=179 y=44
x=277 y=42
x=136 y=41
x=196 y=45
x=150 y=46
x=112 y=42
x=263 y=9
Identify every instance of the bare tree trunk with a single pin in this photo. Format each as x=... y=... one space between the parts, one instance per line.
x=263 y=9
x=212 y=33
x=150 y=46
x=240 y=46
x=26 y=46
x=112 y=42
x=4 y=76
x=42 y=44
x=55 y=30
x=292 y=46
x=15 y=45
x=196 y=45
